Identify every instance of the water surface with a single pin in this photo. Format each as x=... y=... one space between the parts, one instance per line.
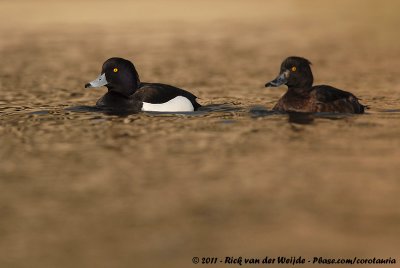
x=83 y=188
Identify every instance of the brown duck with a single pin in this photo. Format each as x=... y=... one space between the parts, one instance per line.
x=302 y=96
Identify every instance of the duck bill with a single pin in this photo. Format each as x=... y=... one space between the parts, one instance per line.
x=98 y=82
x=280 y=80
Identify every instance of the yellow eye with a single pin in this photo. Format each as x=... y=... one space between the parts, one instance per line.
x=115 y=70
x=294 y=68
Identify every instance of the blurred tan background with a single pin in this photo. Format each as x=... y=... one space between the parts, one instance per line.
x=85 y=189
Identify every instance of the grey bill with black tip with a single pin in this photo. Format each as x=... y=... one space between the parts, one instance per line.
x=280 y=80
x=98 y=82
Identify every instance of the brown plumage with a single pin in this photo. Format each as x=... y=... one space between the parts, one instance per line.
x=302 y=96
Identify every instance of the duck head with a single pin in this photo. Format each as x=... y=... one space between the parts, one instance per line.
x=295 y=73
x=118 y=75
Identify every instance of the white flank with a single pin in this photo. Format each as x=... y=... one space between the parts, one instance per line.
x=177 y=104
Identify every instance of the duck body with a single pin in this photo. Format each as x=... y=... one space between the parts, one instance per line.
x=126 y=92
x=319 y=99
x=153 y=97
x=162 y=98
x=302 y=96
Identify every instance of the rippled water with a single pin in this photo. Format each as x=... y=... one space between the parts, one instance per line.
x=83 y=188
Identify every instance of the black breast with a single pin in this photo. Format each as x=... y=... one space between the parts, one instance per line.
x=115 y=101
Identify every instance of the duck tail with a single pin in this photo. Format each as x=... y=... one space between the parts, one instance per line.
x=196 y=105
x=362 y=108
